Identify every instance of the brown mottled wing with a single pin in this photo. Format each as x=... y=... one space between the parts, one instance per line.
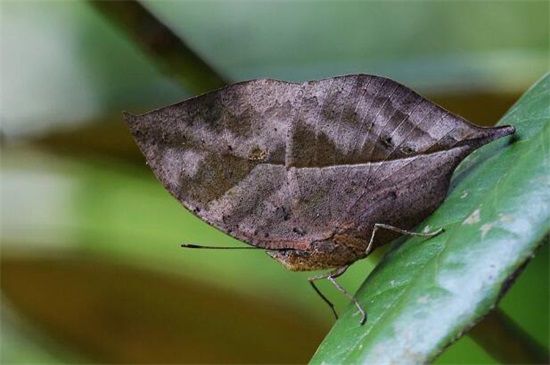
x=282 y=165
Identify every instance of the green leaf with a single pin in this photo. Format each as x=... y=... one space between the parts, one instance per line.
x=425 y=294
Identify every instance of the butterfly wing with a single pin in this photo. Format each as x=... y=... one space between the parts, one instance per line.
x=284 y=165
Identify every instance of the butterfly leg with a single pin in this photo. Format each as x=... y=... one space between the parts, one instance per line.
x=332 y=279
x=378 y=226
x=325 y=299
x=331 y=276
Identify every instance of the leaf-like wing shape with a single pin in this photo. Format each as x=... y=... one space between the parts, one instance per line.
x=284 y=165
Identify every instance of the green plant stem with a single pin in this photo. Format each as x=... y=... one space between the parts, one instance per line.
x=162 y=44
x=506 y=342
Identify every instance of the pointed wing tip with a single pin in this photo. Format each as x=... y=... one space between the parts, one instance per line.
x=489 y=134
x=499 y=132
x=504 y=130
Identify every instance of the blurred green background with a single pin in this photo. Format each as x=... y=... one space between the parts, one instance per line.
x=91 y=269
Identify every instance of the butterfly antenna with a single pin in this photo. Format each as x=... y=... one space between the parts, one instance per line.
x=191 y=245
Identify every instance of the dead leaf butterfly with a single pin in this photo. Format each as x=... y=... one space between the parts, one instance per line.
x=318 y=173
